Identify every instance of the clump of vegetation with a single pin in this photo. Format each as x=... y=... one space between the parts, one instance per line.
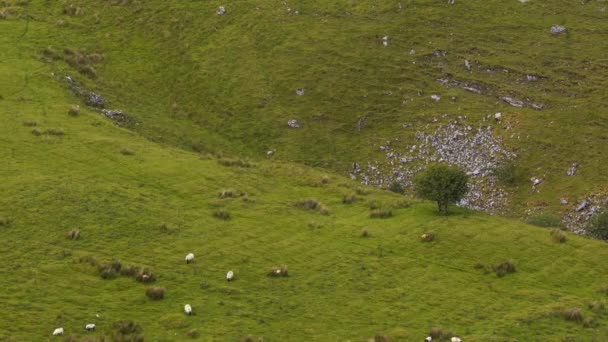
x=558 y=235
x=506 y=174
x=234 y=162
x=427 y=237
x=222 y=214
x=443 y=184
x=362 y=191
x=4 y=221
x=349 y=199
x=155 y=293
x=54 y=131
x=589 y=322
x=598 y=226
x=50 y=53
x=89 y=259
x=572 y=315
x=193 y=333
x=598 y=306
x=545 y=220
x=504 y=268
x=127 y=152
x=380 y=338
x=127 y=331
x=397 y=187
x=227 y=193
x=325 y=179
x=72 y=10
x=380 y=214
x=373 y=204
x=74 y=110
x=603 y=290
x=365 y=233
x=37 y=132
x=145 y=276
x=30 y=123
x=312 y=204
x=74 y=234
x=278 y=271
x=437 y=333
x=111 y=270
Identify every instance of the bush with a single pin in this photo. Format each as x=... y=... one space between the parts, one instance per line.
x=349 y=199
x=397 y=187
x=362 y=191
x=603 y=290
x=89 y=260
x=443 y=184
x=145 y=276
x=572 y=314
x=380 y=214
x=222 y=214
x=74 y=110
x=557 y=235
x=54 y=131
x=545 y=220
x=309 y=204
x=589 y=322
x=597 y=306
x=324 y=210
x=88 y=71
x=127 y=152
x=504 y=268
x=74 y=234
x=427 y=237
x=155 y=293
x=506 y=174
x=234 y=162
x=108 y=273
x=365 y=233
x=131 y=271
x=598 y=226
x=36 y=132
x=437 y=333
x=30 y=123
x=278 y=271
x=325 y=179
x=50 y=53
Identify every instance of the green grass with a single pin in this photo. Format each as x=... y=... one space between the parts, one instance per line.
x=149 y=208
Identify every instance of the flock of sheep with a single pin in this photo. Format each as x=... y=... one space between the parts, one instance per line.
x=188 y=308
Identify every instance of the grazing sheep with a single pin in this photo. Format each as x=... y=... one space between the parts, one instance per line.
x=230 y=275
x=188 y=309
x=58 y=332
x=189 y=258
x=89 y=327
x=456 y=339
x=428 y=339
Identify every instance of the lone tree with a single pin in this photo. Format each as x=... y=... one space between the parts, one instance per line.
x=443 y=184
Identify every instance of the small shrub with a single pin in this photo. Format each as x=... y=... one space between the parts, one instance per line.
x=95 y=58
x=130 y=271
x=397 y=187
x=88 y=71
x=309 y=204
x=155 y=293
x=222 y=214
x=193 y=333
x=598 y=225
x=72 y=10
x=325 y=179
x=545 y=220
x=504 y=268
x=145 y=276
x=234 y=163
x=108 y=273
x=572 y=314
x=480 y=266
x=4 y=221
x=126 y=327
x=74 y=234
x=557 y=235
x=589 y=322
x=380 y=214
x=248 y=339
x=427 y=237
x=437 y=333
x=30 y=123
x=89 y=259
x=597 y=306
x=54 y=131
x=37 y=132
x=74 y=110
x=228 y=193
x=365 y=233
x=127 y=152
x=349 y=199
x=603 y=290
x=324 y=210
x=381 y=338
x=50 y=53
x=278 y=271
x=362 y=191
x=373 y=205
x=506 y=174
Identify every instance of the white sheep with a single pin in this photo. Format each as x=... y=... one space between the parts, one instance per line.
x=58 y=332
x=89 y=327
x=456 y=339
x=230 y=275
x=189 y=258
x=428 y=339
x=188 y=309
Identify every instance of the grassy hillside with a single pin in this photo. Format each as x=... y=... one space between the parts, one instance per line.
x=202 y=81
x=148 y=204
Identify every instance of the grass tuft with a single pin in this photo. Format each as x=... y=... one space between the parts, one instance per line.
x=427 y=237
x=74 y=234
x=278 y=271
x=30 y=123
x=349 y=199
x=4 y=221
x=380 y=214
x=127 y=152
x=155 y=293
x=504 y=268
x=572 y=315
x=74 y=110
x=222 y=214
x=557 y=235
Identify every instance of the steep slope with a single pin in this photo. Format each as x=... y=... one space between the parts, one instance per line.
x=148 y=204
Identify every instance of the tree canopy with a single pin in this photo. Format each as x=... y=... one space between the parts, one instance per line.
x=443 y=184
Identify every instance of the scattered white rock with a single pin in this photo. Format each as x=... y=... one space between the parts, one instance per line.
x=412 y=52
x=563 y=201
x=428 y=339
x=293 y=123
x=385 y=40
x=300 y=91
x=572 y=170
x=557 y=29
x=532 y=78
x=497 y=116
x=583 y=205
x=221 y=10
x=456 y=339
x=513 y=102
x=435 y=98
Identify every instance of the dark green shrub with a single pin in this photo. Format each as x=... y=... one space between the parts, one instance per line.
x=193 y=333
x=597 y=306
x=309 y=204
x=504 y=268
x=145 y=276
x=506 y=174
x=89 y=259
x=380 y=214
x=397 y=187
x=437 y=333
x=381 y=338
x=155 y=293
x=545 y=220
x=222 y=214
x=36 y=132
x=362 y=191
x=598 y=226
x=443 y=184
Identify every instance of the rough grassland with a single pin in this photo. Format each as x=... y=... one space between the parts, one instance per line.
x=340 y=286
